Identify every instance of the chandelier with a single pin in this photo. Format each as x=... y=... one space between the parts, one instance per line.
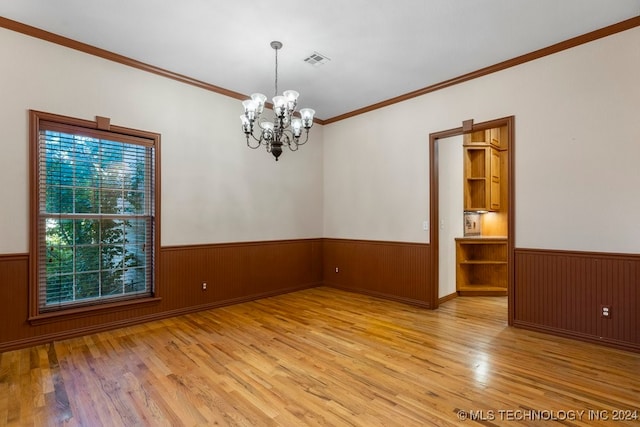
x=284 y=129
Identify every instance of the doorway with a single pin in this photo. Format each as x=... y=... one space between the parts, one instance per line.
x=468 y=224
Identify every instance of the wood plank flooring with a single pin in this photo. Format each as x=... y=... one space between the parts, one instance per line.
x=322 y=357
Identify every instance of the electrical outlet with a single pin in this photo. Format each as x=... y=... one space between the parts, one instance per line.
x=204 y=286
x=337 y=269
x=605 y=311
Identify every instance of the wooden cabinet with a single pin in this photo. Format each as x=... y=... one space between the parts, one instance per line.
x=492 y=137
x=481 y=266
x=494 y=178
x=482 y=164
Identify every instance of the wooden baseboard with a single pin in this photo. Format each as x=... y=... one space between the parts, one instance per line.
x=486 y=292
x=56 y=336
x=622 y=345
x=555 y=292
x=381 y=295
x=234 y=272
x=446 y=298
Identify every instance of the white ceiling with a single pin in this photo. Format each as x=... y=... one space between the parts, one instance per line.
x=378 y=49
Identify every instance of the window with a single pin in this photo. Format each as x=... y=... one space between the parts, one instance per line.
x=94 y=214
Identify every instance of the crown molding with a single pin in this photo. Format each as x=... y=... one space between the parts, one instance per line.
x=549 y=50
x=111 y=56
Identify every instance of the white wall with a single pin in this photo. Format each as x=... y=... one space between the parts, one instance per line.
x=577 y=147
x=214 y=189
x=451 y=210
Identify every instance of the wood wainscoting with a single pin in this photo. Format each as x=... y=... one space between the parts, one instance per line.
x=557 y=292
x=398 y=271
x=234 y=272
x=14 y=298
x=239 y=272
x=562 y=292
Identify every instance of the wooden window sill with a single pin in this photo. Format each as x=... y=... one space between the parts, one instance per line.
x=91 y=310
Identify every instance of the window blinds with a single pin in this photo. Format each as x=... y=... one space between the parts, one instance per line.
x=95 y=216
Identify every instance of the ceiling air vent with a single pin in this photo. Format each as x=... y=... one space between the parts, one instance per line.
x=316 y=59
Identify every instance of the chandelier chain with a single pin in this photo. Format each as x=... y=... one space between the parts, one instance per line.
x=276 y=92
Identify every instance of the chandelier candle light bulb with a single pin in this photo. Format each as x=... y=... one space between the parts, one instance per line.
x=285 y=129
x=267 y=131
x=259 y=100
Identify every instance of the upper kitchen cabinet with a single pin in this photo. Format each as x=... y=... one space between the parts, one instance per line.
x=482 y=170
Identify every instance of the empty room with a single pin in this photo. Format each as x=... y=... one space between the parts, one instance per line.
x=408 y=213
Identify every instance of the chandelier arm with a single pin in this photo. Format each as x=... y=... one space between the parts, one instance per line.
x=260 y=141
x=250 y=145
x=286 y=139
x=306 y=138
x=291 y=141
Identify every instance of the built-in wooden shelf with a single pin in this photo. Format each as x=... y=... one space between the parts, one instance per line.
x=482 y=164
x=481 y=266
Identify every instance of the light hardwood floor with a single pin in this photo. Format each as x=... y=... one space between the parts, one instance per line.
x=321 y=357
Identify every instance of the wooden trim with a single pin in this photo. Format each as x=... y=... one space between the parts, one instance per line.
x=55 y=336
x=446 y=298
x=511 y=218
x=91 y=310
x=103 y=123
x=140 y=136
x=375 y=242
x=549 y=50
x=158 y=291
x=509 y=122
x=34 y=245
x=561 y=291
x=391 y=270
x=14 y=296
x=236 y=272
x=531 y=56
x=381 y=295
x=38 y=33
x=105 y=54
x=622 y=345
x=434 y=239
x=14 y=257
x=148 y=139
x=583 y=254
x=237 y=244
x=557 y=290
